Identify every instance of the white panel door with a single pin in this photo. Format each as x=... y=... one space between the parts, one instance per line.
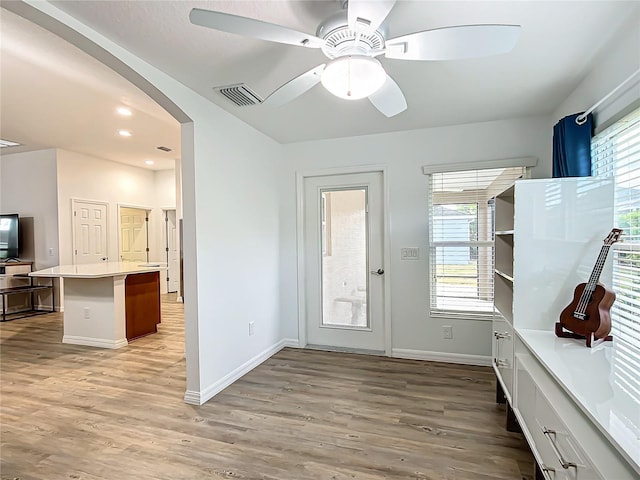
x=343 y=229
x=173 y=272
x=90 y=229
x=133 y=234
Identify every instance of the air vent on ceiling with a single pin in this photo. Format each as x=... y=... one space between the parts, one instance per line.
x=164 y=149
x=240 y=94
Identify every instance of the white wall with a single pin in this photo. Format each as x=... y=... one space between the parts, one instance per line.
x=615 y=63
x=82 y=177
x=31 y=195
x=403 y=154
x=237 y=221
x=165 y=183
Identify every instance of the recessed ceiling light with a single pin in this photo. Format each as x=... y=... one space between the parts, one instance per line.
x=8 y=143
x=124 y=133
x=149 y=162
x=124 y=111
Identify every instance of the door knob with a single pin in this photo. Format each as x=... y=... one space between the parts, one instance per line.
x=377 y=272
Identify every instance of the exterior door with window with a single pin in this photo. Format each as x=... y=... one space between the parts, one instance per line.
x=90 y=226
x=343 y=231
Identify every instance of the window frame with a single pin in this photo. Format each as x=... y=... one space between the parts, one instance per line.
x=605 y=158
x=523 y=163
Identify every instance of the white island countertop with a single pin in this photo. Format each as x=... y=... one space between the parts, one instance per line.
x=601 y=380
x=99 y=270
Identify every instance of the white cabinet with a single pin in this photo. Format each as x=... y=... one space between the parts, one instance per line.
x=569 y=438
x=502 y=348
x=503 y=354
x=574 y=404
x=560 y=225
x=548 y=234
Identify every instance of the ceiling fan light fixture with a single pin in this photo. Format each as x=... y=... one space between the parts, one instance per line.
x=353 y=77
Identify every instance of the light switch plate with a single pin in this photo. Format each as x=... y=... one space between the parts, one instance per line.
x=409 y=253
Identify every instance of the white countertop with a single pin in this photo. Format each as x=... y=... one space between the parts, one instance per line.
x=99 y=270
x=604 y=381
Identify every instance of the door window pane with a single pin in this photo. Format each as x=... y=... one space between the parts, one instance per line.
x=344 y=258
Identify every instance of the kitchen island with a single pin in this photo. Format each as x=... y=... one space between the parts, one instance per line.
x=108 y=304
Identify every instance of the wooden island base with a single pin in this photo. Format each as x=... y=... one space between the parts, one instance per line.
x=142 y=303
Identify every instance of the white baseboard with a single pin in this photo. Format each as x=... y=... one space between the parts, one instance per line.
x=47 y=308
x=193 y=397
x=290 y=342
x=94 y=342
x=459 y=358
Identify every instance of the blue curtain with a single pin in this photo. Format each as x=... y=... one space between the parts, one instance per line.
x=572 y=147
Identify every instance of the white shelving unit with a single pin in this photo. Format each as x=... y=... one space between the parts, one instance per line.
x=19 y=295
x=502 y=348
x=9 y=278
x=571 y=402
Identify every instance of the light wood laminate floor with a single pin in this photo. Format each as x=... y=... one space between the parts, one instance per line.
x=74 y=412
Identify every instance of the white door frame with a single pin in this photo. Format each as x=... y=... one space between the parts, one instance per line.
x=386 y=255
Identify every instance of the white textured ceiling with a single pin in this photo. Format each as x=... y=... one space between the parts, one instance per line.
x=56 y=96
x=558 y=44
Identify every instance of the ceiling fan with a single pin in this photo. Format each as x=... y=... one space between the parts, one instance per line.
x=352 y=39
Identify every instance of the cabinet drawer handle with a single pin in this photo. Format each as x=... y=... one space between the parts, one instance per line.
x=546 y=471
x=551 y=435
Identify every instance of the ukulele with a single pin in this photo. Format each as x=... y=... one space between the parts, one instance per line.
x=587 y=316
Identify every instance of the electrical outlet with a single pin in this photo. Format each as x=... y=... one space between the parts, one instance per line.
x=447 y=332
x=251 y=328
x=86 y=313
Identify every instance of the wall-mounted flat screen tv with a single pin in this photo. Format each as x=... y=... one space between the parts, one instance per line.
x=9 y=246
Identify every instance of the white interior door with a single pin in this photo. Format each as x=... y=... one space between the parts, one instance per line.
x=343 y=231
x=171 y=242
x=90 y=228
x=133 y=234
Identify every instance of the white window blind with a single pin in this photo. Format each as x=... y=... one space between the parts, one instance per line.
x=616 y=152
x=461 y=245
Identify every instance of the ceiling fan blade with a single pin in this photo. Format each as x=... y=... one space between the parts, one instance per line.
x=365 y=16
x=451 y=43
x=389 y=99
x=250 y=27
x=296 y=87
